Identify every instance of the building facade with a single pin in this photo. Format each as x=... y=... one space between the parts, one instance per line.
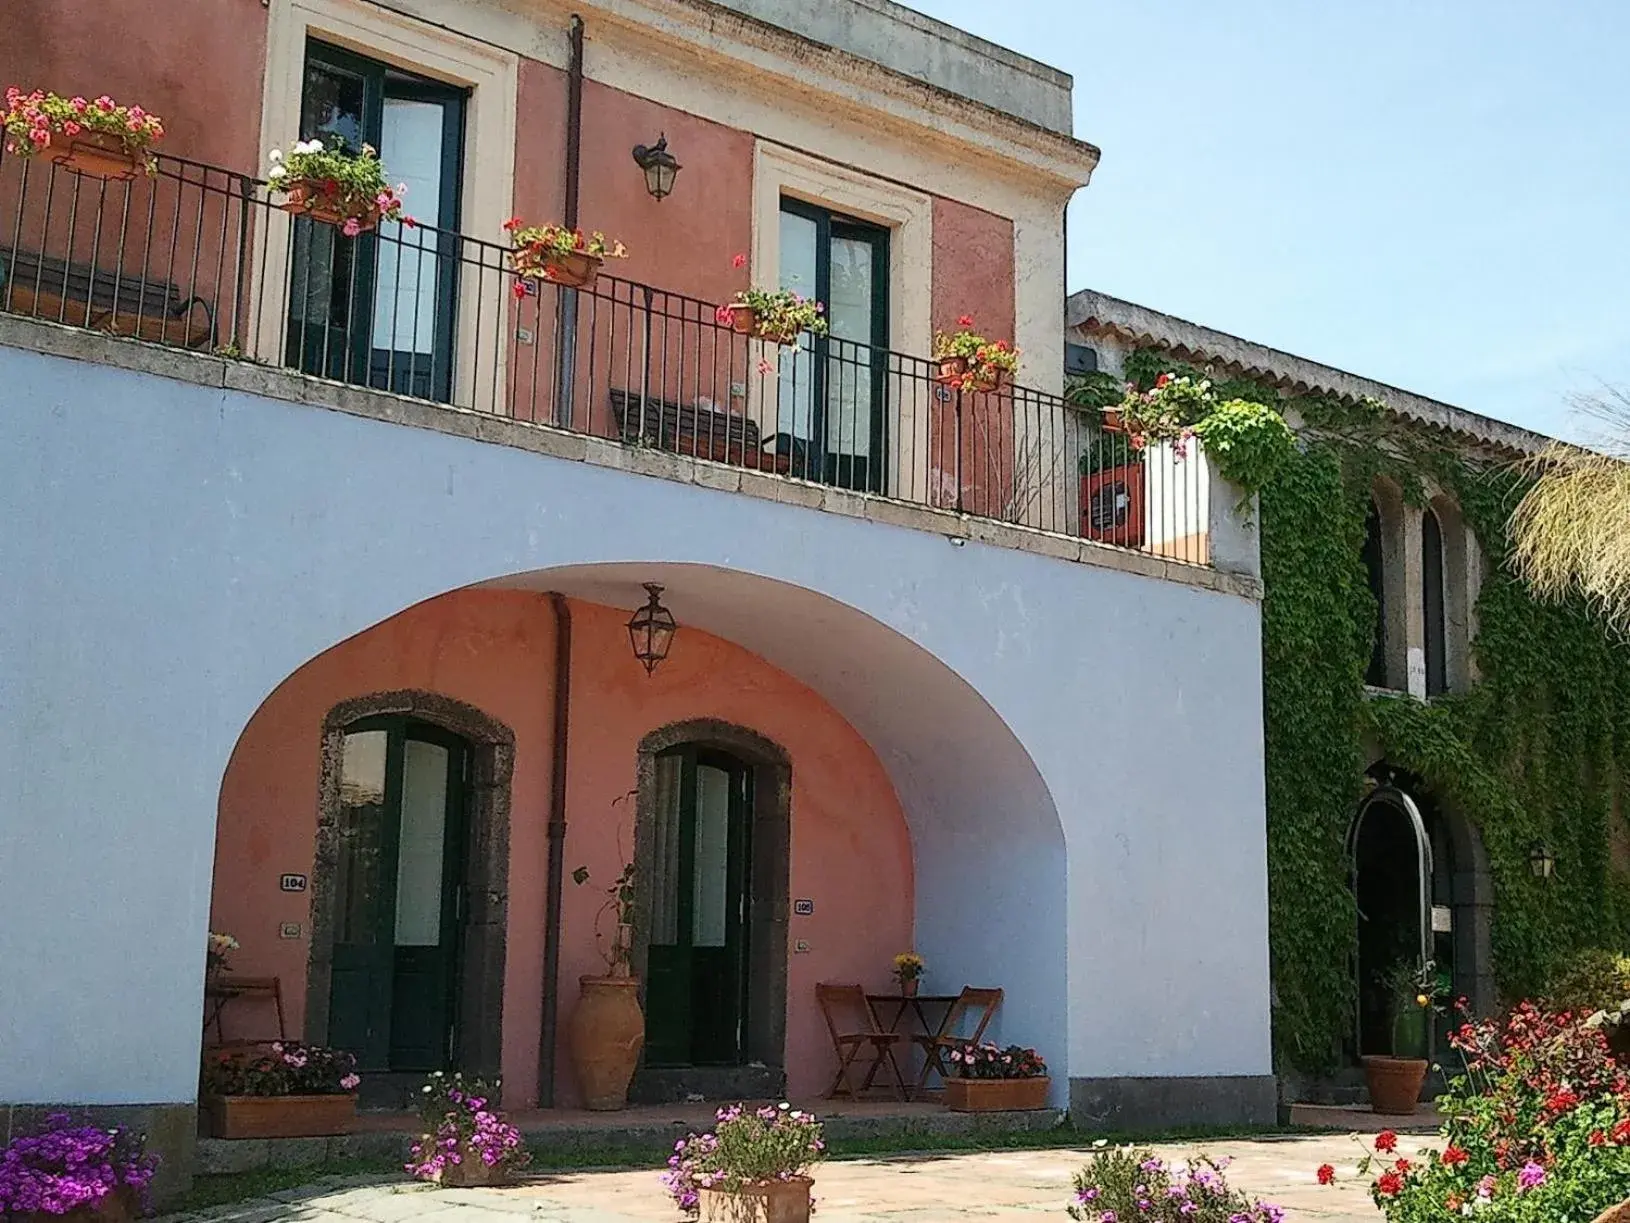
x=317 y=629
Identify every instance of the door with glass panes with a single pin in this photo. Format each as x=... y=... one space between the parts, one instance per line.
x=696 y=967
x=378 y=308
x=832 y=405
x=398 y=895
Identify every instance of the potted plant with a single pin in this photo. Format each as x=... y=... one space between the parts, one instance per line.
x=908 y=970
x=1395 y=1080
x=217 y=954
x=970 y=362
x=466 y=1140
x=559 y=255
x=753 y=1167
x=329 y=183
x=1166 y=412
x=1131 y=1184
x=608 y=1027
x=74 y=1172
x=289 y=1090
x=777 y=316
x=99 y=138
x=987 y=1079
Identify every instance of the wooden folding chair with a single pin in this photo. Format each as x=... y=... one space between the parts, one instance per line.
x=972 y=1001
x=854 y=1029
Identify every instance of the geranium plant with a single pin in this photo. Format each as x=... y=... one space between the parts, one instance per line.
x=286 y=1068
x=1166 y=412
x=72 y=1168
x=36 y=121
x=556 y=253
x=970 y=362
x=777 y=315
x=333 y=184
x=461 y=1124
x=745 y=1149
x=988 y=1061
x=1131 y=1185
x=1537 y=1129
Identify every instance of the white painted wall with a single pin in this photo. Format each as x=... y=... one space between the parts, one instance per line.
x=170 y=552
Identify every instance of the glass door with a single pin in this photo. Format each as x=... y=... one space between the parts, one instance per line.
x=834 y=401
x=379 y=308
x=397 y=895
x=696 y=970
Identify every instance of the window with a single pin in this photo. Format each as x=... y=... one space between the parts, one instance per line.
x=1375 y=572
x=831 y=412
x=379 y=308
x=1433 y=607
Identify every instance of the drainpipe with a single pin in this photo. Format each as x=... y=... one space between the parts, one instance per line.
x=567 y=298
x=557 y=851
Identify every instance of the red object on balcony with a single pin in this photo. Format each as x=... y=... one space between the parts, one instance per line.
x=1112 y=505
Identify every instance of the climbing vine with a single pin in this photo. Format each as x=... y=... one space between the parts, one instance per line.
x=1534 y=752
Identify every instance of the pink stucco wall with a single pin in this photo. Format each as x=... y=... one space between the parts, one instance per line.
x=851 y=852
x=973 y=268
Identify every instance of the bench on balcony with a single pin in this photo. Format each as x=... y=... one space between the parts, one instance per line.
x=706 y=433
x=45 y=287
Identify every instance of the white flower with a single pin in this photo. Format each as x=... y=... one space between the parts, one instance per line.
x=277 y=155
x=275 y=173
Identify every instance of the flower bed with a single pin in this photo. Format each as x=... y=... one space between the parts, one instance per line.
x=466 y=1141
x=1537 y=1129
x=740 y=1168
x=1123 y=1184
x=74 y=1171
x=988 y=1079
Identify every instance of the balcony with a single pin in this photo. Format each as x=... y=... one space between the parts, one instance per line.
x=201 y=258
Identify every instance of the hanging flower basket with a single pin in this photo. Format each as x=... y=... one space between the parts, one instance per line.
x=100 y=155
x=776 y=317
x=101 y=138
x=1113 y=421
x=957 y=373
x=785 y=1201
x=573 y=269
x=970 y=362
x=308 y=198
x=744 y=320
x=557 y=255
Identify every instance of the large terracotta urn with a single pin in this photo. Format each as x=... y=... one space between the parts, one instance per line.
x=608 y=1032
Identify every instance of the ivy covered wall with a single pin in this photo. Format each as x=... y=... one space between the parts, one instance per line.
x=1534 y=752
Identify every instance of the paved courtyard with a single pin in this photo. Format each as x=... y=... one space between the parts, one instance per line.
x=903 y=1189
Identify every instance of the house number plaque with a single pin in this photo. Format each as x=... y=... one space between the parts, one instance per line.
x=292 y=883
x=803 y=908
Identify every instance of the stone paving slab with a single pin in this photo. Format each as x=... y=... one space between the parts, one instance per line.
x=955 y=1187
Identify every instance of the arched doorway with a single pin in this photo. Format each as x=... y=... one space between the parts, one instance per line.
x=1390 y=850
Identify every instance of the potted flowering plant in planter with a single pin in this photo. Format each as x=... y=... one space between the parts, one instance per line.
x=908 y=970
x=970 y=362
x=74 y=1172
x=466 y=1141
x=752 y=1168
x=1166 y=412
x=217 y=954
x=559 y=255
x=289 y=1090
x=1395 y=1080
x=988 y=1079
x=1126 y=1183
x=777 y=317
x=329 y=183
x=608 y=1027
x=99 y=138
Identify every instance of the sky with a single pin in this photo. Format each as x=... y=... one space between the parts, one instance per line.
x=1431 y=193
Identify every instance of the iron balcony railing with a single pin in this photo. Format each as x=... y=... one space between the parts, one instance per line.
x=198 y=257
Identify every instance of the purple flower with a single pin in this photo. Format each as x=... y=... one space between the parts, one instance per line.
x=1532 y=1176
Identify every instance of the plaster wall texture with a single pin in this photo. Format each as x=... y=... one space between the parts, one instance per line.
x=178 y=550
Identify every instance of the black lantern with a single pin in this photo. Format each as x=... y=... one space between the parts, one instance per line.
x=659 y=166
x=651 y=629
x=1541 y=860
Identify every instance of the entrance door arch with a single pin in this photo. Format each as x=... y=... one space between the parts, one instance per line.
x=1389 y=852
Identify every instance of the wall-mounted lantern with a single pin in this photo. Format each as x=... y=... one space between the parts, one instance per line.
x=659 y=166
x=1541 y=860
x=651 y=629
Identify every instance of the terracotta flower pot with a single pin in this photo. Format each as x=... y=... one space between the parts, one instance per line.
x=954 y=373
x=776 y=1202
x=575 y=270
x=1112 y=420
x=996 y=1095
x=471 y=1172
x=308 y=199
x=608 y=1032
x=908 y=989
x=280 y=1116
x=98 y=154
x=119 y=1206
x=744 y=321
x=1395 y=1084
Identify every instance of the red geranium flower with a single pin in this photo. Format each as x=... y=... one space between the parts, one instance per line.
x=1326 y=1174
x=1386 y=1142
x=1597 y=1138
x=1389 y=1184
x=1621 y=1133
x=965 y=320
x=1453 y=1155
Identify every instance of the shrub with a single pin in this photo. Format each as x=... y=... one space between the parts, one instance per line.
x=1128 y=1185
x=1590 y=981
x=746 y=1147
x=461 y=1121
x=70 y=1167
x=285 y=1069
